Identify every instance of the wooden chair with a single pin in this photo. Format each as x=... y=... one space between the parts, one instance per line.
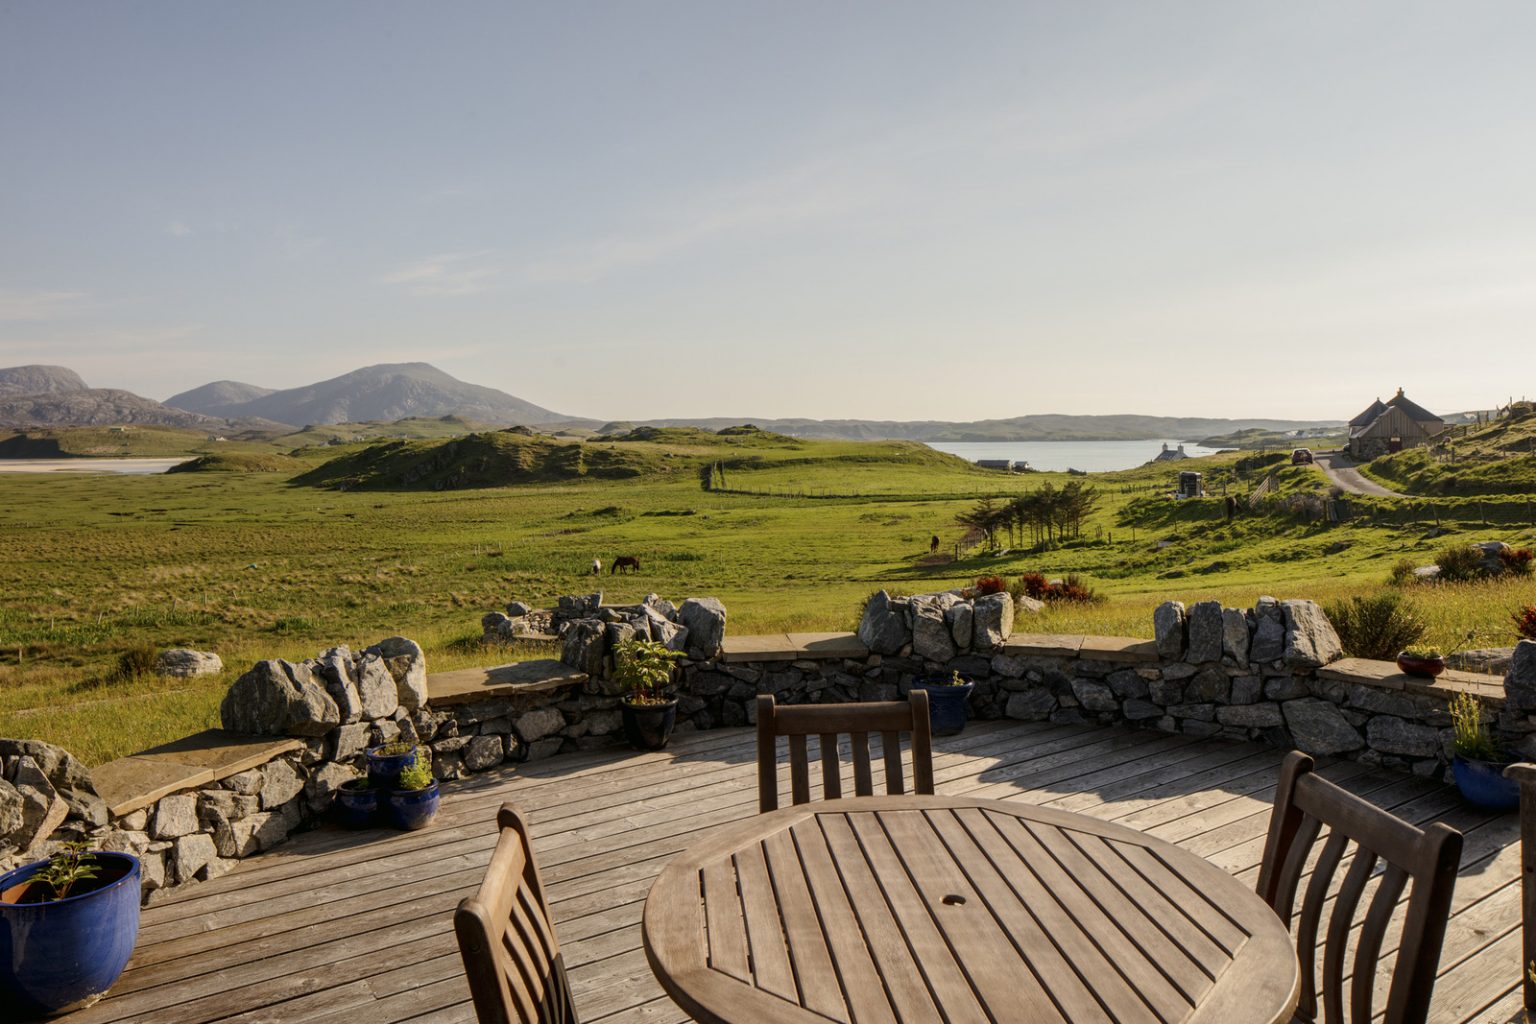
x=1304 y=802
x=513 y=963
x=828 y=721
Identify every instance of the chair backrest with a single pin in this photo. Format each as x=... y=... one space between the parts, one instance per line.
x=888 y=718
x=507 y=940
x=1304 y=803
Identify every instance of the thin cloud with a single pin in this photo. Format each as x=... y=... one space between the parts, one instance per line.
x=452 y=273
x=39 y=305
x=178 y=229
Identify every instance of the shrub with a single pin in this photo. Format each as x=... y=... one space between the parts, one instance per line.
x=1517 y=561
x=990 y=585
x=1402 y=573
x=134 y=663
x=1525 y=622
x=1377 y=626
x=1073 y=588
x=1458 y=563
x=1472 y=738
x=1031 y=584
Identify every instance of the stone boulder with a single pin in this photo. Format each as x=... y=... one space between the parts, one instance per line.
x=376 y=689
x=1235 y=634
x=1206 y=630
x=1489 y=556
x=582 y=606
x=960 y=618
x=1319 y=727
x=993 y=621
x=518 y=609
x=1310 y=641
x=704 y=618
x=407 y=666
x=931 y=638
x=583 y=645
x=1168 y=627
x=67 y=774
x=184 y=663
x=660 y=605
x=279 y=698
x=335 y=671
x=1520 y=680
x=42 y=808
x=1268 y=631
x=883 y=629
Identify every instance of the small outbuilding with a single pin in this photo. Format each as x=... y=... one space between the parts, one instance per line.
x=1391 y=426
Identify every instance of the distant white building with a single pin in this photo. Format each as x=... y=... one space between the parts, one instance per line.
x=1170 y=454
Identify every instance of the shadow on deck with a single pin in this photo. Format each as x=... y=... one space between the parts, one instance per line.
x=356 y=926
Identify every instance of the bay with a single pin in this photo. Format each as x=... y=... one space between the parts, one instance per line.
x=1060 y=456
x=132 y=467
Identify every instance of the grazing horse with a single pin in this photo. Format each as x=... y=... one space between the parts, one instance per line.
x=625 y=562
x=933 y=545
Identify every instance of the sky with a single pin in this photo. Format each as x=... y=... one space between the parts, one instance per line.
x=882 y=210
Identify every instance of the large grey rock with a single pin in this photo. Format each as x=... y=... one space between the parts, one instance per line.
x=666 y=609
x=278 y=698
x=539 y=723
x=483 y=752
x=1268 y=631
x=931 y=638
x=1032 y=705
x=334 y=670
x=1209 y=684
x=280 y=783
x=1395 y=736
x=583 y=645
x=407 y=666
x=378 y=695
x=175 y=816
x=1488 y=553
x=1235 y=634
x=349 y=741
x=1318 y=727
x=42 y=808
x=1251 y=716
x=578 y=606
x=70 y=778
x=1168 y=628
x=1520 y=680
x=1206 y=630
x=10 y=811
x=184 y=663
x=1094 y=696
x=883 y=629
x=993 y=621
x=193 y=852
x=1310 y=641
x=1024 y=603
x=321 y=788
x=518 y=609
x=704 y=618
x=960 y=617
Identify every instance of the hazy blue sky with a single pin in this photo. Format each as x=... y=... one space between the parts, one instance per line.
x=884 y=210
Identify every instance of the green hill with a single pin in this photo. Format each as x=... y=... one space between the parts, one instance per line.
x=1494 y=458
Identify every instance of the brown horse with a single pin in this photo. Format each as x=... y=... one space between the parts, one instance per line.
x=625 y=562
x=933 y=545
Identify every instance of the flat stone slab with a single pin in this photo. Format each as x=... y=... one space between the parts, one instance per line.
x=829 y=645
x=223 y=753
x=1384 y=675
x=1128 y=649
x=766 y=647
x=1043 y=645
x=472 y=684
x=131 y=783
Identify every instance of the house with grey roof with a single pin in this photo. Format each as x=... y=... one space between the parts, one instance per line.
x=1391 y=426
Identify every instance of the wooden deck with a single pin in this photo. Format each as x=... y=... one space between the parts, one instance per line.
x=336 y=926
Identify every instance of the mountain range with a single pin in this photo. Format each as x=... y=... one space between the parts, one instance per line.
x=56 y=396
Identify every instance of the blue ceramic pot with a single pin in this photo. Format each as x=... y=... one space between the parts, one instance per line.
x=648 y=726
x=357 y=805
x=411 y=809
x=948 y=704
x=1483 y=783
x=384 y=769
x=61 y=956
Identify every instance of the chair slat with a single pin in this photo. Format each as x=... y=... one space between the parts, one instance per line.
x=799 y=771
x=890 y=747
x=1311 y=914
x=828 y=722
x=831 y=768
x=1339 y=926
x=1368 y=947
x=863 y=777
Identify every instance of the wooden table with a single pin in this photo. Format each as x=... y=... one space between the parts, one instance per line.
x=929 y=909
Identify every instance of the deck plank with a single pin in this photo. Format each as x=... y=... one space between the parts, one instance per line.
x=339 y=926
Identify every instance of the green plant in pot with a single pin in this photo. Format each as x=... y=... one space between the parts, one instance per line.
x=414 y=801
x=67 y=928
x=1480 y=762
x=1424 y=662
x=644 y=669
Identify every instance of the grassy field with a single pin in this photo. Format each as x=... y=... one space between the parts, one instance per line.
x=254 y=565
x=1493 y=458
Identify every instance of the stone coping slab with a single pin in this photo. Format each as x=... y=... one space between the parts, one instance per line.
x=829 y=645
x=138 y=780
x=1384 y=675
x=765 y=647
x=471 y=684
x=1119 y=648
x=1043 y=645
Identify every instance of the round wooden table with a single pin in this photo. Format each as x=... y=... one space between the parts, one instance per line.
x=886 y=908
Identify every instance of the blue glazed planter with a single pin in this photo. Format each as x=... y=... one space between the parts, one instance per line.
x=64 y=955
x=384 y=769
x=411 y=809
x=357 y=806
x=948 y=704
x=1483 y=783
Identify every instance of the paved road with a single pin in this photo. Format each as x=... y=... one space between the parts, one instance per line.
x=1342 y=473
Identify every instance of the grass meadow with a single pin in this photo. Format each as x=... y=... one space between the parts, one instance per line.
x=252 y=566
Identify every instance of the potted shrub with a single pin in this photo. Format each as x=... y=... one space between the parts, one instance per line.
x=644 y=669
x=67 y=928
x=1424 y=662
x=387 y=761
x=948 y=702
x=357 y=803
x=1479 y=763
x=414 y=802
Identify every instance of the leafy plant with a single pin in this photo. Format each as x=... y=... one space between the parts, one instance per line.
x=418 y=774
x=990 y=585
x=1031 y=584
x=394 y=749
x=1376 y=626
x=1517 y=561
x=1459 y=563
x=644 y=668
x=1402 y=573
x=67 y=868
x=1473 y=740
x=1524 y=619
x=1423 y=653
x=134 y=663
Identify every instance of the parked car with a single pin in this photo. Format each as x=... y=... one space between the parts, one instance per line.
x=1301 y=457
